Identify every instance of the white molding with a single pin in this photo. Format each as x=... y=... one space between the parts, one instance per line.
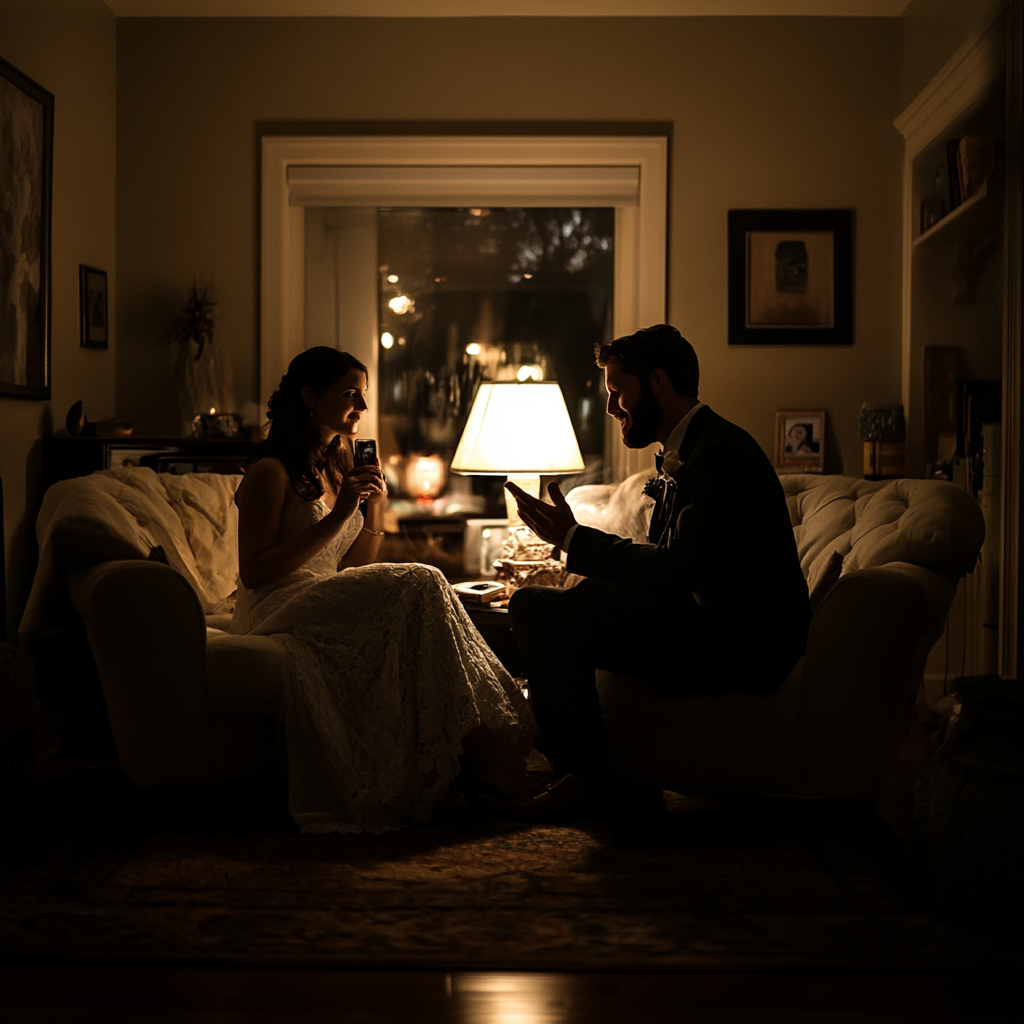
x=640 y=224
x=964 y=80
x=464 y=186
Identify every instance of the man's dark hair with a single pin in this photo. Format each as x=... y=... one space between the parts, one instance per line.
x=660 y=347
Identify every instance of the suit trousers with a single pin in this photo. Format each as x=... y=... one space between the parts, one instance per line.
x=564 y=635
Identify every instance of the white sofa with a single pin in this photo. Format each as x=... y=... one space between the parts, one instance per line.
x=189 y=702
x=834 y=727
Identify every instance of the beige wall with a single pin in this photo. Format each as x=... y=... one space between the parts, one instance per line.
x=932 y=32
x=69 y=48
x=766 y=112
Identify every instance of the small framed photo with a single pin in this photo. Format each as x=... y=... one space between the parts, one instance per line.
x=800 y=441
x=94 y=313
x=790 y=277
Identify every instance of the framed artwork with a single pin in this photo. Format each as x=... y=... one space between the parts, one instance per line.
x=26 y=187
x=93 y=312
x=790 y=277
x=800 y=441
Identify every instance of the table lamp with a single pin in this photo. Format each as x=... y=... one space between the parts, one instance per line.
x=520 y=430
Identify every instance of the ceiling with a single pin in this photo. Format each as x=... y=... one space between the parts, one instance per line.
x=495 y=8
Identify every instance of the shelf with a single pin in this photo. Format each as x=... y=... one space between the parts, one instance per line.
x=974 y=220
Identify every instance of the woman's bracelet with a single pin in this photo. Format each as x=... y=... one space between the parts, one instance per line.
x=373 y=533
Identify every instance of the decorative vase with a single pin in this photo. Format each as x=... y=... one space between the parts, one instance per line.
x=204 y=384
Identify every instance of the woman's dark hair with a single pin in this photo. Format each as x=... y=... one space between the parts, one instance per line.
x=660 y=347
x=292 y=437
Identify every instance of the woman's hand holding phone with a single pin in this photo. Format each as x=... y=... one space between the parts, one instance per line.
x=364 y=482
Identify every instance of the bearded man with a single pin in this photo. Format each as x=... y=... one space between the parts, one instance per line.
x=714 y=603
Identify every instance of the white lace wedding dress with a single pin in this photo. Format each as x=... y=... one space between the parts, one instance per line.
x=388 y=675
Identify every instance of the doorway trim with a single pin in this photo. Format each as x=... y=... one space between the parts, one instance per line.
x=640 y=225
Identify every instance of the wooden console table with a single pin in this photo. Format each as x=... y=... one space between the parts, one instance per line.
x=67 y=457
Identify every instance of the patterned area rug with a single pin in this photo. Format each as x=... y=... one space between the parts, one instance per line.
x=221 y=876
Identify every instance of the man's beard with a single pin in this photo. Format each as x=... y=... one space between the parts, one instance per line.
x=644 y=417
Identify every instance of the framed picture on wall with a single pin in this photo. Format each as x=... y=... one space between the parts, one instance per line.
x=26 y=187
x=800 y=441
x=93 y=311
x=790 y=277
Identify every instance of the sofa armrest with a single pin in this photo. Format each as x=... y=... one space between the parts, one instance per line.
x=866 y=653
x=148 y=636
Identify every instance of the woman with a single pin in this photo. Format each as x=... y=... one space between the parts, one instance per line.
x=390 y=681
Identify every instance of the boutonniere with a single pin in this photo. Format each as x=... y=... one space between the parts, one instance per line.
x=671 y=464
x=654 y=488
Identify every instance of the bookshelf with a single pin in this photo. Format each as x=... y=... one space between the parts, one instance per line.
x=971 y=221
x=957 y=279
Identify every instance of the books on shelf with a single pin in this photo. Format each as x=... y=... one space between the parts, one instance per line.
x=968 y=164
x=976 y=160
x=954 y=197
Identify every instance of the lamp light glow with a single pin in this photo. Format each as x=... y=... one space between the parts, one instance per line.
x=518 y=430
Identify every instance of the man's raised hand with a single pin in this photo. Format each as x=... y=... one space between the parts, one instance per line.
x=551 y=522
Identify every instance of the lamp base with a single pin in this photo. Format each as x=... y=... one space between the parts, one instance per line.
x=529 y=482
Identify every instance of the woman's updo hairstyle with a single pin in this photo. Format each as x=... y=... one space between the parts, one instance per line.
x=292 y=437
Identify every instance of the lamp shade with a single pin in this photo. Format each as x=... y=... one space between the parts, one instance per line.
x=518 y=428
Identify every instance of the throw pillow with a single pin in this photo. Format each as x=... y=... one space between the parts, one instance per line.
x=827 y=580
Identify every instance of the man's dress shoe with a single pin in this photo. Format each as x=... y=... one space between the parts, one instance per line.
x=570 y=797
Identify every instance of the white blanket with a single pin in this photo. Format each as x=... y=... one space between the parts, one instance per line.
x=125 y=513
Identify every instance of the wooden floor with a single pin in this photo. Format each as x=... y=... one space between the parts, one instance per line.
x=117 y=994
x=154 y=995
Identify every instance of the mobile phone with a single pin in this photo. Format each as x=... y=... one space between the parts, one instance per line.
x=366 y=452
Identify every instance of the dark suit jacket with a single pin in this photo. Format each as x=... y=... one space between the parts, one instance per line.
x=723 y=574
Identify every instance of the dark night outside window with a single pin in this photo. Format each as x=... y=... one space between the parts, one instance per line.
x=474 y=294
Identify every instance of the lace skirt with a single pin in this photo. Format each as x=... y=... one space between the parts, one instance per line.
x=388 y=676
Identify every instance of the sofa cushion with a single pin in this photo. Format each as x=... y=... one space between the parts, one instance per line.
x=245 y=674
x=731 y=712
x=827 y=579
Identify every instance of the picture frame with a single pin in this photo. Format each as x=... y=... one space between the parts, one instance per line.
x=790 y=277
x=93 y=307
x=800 y=441
x=26 y=205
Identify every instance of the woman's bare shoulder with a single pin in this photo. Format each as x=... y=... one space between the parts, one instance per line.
x=270 y=466
x=266 y=476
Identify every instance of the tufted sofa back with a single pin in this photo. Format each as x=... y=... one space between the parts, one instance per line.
x=925 y=522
